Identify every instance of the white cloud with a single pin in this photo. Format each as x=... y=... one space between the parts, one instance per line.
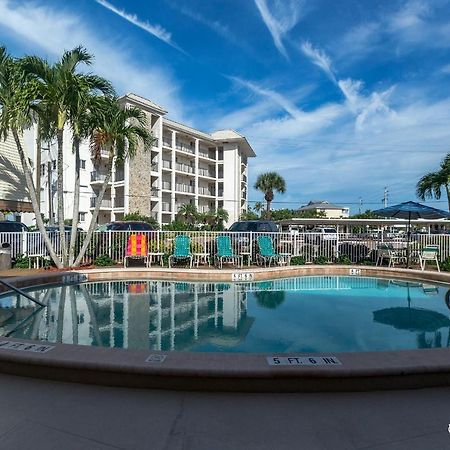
x=55 y=31
x=156 y=30
x=274 y=96
x=446 y=69
x=284 y=15
x=319 y=58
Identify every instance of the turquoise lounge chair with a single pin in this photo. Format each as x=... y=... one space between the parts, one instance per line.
x=266 y=251
x=181 y=250
x=225 y=252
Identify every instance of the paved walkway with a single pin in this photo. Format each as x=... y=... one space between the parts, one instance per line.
x=38 y=414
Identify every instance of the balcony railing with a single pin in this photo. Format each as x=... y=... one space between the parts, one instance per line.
x=184 y=168
x=185 y=147
x=206 y=191
x=166 y=164
x=97 y=176
x=120 y=175
x=203 y=151
x=106 y=203
x=165 y=206
x=206 y=173
x=167 y=141
x=166 y=185
x=180 y=187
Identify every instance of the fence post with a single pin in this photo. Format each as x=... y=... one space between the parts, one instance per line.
x=109 y=244
x=24 y=243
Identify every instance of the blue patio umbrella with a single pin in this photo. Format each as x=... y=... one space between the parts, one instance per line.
x=412 y=210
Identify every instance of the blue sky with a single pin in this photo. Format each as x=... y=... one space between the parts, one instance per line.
x=341 y=98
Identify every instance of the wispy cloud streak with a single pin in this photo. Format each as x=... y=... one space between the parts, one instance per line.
x=156 y=30
x=281 y=20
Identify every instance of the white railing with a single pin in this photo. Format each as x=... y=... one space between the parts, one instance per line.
x=165 y=206
x=167 y=141
x=184 y=168
x=185 y=147
x=311 y=247
x=180 y=187
x=205 y=191
x=166 y=185
x=166 y=164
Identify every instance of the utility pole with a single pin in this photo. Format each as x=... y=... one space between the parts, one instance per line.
x=385 y=197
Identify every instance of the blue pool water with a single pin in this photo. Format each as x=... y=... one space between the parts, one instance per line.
x=304 y=314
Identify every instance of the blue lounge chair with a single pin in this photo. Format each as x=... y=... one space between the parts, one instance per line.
x=181 y=250
x=225 y=252
x=267 y=253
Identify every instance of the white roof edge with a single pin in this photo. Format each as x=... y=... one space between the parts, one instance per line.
x=142 y=101
x=187 y=129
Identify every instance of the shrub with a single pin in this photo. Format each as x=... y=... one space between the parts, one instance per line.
x=343 y=259
x=445 y=265
x=196 y=247
x=23 y=262
x=367 y=262
x=298 y=261
x=103 y=261
x=321 y=260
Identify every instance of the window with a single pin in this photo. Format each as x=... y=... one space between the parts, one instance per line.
x=82 y=164
x=81 y=216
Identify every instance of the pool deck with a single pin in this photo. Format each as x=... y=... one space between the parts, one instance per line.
x=42 y=414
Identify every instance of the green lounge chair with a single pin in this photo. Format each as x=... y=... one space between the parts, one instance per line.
x=182 y=250
x=429 y=253
x=225 y=252
x=266 y=251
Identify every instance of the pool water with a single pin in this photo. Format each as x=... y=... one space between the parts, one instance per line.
x=304 y=314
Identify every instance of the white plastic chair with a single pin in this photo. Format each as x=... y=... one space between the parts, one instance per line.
x=429 y=253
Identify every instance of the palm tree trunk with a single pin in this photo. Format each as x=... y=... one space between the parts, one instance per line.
x=34 y=202
x=60 y=194
x=93 y=223
x=268 y=213
x=76 y=202
x=447 y=190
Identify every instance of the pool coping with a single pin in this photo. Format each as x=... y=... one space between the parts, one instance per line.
x=358 y=371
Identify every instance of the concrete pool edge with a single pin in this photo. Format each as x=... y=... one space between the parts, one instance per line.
x=360 y=371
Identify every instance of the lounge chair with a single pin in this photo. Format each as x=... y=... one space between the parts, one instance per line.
x=181 y=250
x=429 y=253
x=225 y=252
x=267 y=252
x=136 y=248
x=386 y=251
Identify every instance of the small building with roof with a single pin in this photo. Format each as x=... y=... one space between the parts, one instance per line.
x=322 y=206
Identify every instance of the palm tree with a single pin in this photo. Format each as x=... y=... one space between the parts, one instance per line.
x=431 y=184
x=120 y=131
x=17 y=96
x=188 y=213
x=267 y=183
x=82 y=119
x=59 y=89
x=221 y=216
x=259 y=208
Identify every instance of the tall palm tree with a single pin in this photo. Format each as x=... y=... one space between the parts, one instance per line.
x=120 y=131
x=59 y=85
x=268 y=183
x=17 y=96
x=221 y=216
x=81 y=117
x=188 y=213
x=258 y=207
x=431 y=184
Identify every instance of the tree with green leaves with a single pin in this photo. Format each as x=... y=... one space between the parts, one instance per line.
x=431 y=184
x=62 y=91
x=267 y=183
x=18 y=95
x=188 y=213
x=120 y=131
x=259 y=208
x=138 y=217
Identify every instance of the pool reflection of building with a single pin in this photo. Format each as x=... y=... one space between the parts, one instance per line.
x=157 y=315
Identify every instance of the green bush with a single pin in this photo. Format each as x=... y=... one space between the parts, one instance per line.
x=321 y=260
x=298 y=261
x=445 y=265
x=343 y=259
x=23 y=262
x=103 y=261
x=367 y=262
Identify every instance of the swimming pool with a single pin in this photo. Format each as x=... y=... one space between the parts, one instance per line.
x=303 y=314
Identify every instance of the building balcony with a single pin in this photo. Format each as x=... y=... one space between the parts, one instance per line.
x=154 y=166
x=185 y=147
x=98 y=177
x=184 y=168
x=206 y=173
x=165 y=206
x=166 y=164
x=206 y=191
x=106 y=203
x=167 y=141
x=166 y=185
x=186 y=188
x=203 y=152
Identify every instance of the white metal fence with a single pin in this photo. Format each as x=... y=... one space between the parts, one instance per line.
x=310 y=246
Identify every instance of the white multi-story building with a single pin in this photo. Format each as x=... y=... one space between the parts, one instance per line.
x=184 y=166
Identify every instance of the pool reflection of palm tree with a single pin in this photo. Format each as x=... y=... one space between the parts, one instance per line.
x=269 y=299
